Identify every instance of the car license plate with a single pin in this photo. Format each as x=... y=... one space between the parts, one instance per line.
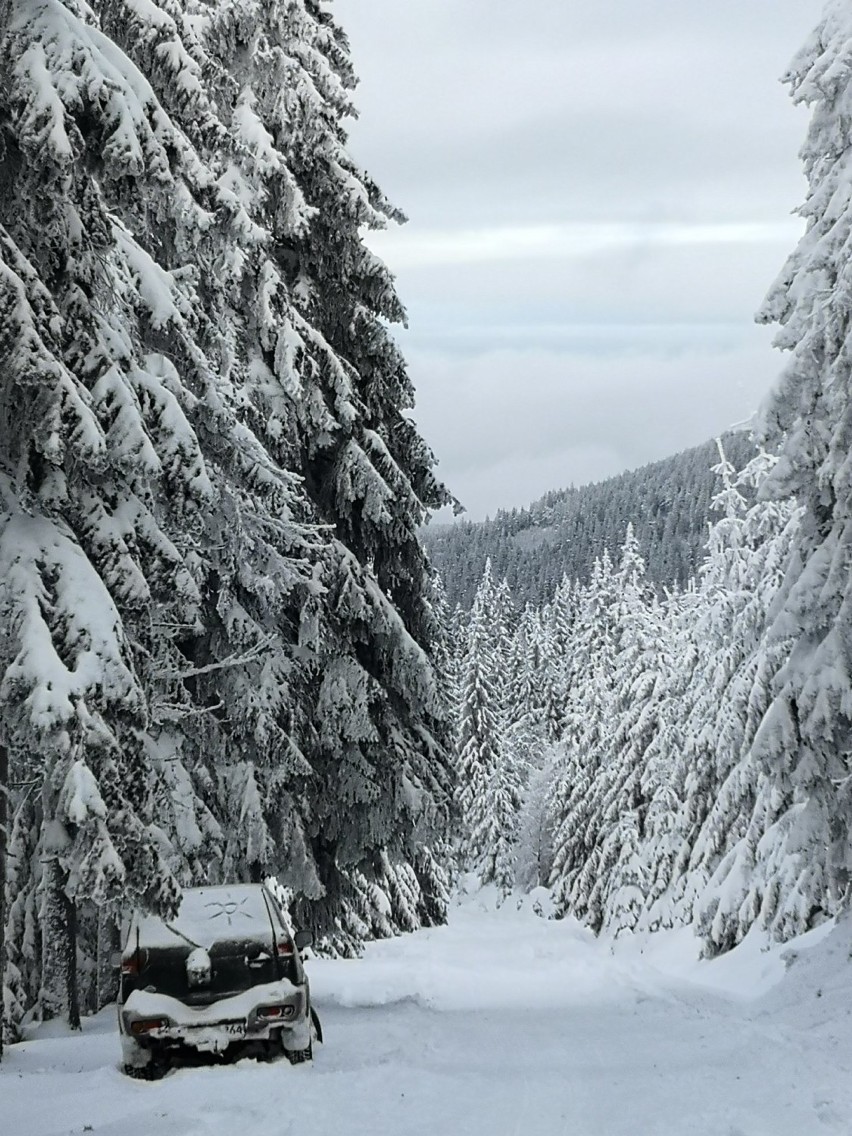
x=192 y=1032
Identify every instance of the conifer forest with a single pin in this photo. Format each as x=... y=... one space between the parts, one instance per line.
x=231 y=647
x=216 y=612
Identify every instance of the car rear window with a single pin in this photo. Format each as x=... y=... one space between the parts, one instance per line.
x=209 y=914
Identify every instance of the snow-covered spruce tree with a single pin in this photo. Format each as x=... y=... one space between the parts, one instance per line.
x=526 y=666
x=534 y=858
x=556 y=671
x=361 y=765
x=235 y=679
x=446 y=650
x=563 y=614
x=587 y=733
x=616 y=790
x=97 y=452
x=23 y=938
x=643 y=666
x=661 y=846
x=722 y=649
x=523 y=707
x=722 y=885
x=447 y=657
x=712 y=700
x=382 y=714
x=488 y=780
x=332 y=392
x=625 y=874
x=804 y=743
x=480 y=719
x=86 y=429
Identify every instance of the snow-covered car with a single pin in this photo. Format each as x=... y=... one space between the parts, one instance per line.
x=223 y=977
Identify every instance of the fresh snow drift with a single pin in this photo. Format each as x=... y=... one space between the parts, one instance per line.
x=506 y=1024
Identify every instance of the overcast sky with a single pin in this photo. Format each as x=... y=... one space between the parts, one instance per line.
x=599 y=196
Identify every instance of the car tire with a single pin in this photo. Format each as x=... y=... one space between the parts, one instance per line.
x=299 y=1056
x=155 y=1070
x=316 y=1027
x=137 y=1074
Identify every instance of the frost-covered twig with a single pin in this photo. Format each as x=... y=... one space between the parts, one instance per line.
x=170 y=712
x=230 y=661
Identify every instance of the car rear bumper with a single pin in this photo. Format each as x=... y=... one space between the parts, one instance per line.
x=260 y=1014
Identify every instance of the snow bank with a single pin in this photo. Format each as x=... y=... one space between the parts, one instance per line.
x=535 y=962
x=750 y=971
x=527 y=962
x=817 y=979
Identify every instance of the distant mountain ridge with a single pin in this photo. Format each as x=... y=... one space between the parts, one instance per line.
x=668 y=501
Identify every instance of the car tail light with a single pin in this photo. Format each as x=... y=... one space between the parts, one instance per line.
x=131 y=965
x=276 y=1013
x=284 y=948
x=148 y=1025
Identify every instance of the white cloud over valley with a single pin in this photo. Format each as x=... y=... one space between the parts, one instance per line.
x=598 y=201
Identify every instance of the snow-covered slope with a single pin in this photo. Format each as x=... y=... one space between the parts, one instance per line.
x=504 y=1024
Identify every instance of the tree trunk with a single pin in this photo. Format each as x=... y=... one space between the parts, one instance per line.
x=72 y=993
x=59 y=990
x=4 y=841
x=109 y=941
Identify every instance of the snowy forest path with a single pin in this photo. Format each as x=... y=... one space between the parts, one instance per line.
x=500 y=1023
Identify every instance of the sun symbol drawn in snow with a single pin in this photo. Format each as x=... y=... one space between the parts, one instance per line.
x=229 y=908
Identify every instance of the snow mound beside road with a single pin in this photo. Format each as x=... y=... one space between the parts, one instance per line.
x=524 y=962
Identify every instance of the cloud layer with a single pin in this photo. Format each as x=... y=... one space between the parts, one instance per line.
x=599 y=195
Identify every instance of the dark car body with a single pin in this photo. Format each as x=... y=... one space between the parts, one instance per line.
x=223 y=977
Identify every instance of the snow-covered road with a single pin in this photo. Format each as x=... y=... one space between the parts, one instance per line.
x=499 y=1024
